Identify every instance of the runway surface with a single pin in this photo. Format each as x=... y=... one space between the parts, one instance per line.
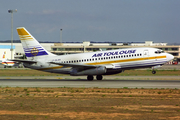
x=83 y=83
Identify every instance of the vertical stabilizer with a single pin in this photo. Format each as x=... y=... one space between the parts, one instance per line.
x=4 y=57
x=31 y=46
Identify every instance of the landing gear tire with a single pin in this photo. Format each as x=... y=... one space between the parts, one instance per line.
x=153 y=72
x=99 y=77
x=90 y=77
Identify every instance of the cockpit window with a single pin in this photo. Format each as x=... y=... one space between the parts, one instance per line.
x=159 y=51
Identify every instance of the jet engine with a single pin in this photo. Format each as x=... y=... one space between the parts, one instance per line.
x=92 y=71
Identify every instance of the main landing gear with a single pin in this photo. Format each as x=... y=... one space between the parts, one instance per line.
x=98 y=77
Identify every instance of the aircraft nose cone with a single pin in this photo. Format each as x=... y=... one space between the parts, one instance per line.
x=170 y=57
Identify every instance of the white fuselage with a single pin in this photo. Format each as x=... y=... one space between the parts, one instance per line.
x=113 y=60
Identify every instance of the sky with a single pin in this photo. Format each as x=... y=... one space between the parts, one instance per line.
x=93 y=20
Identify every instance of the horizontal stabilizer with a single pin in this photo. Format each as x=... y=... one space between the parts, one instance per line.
x=24 y=61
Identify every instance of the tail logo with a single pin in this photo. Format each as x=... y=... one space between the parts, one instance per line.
x=34 y=51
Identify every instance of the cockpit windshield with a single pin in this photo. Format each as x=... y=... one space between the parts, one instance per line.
x=159 y=51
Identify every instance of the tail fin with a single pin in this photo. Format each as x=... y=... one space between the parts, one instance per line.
x=31 y=46
x=4 y=56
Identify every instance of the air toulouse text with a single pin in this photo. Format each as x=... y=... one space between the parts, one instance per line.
x=114 y=53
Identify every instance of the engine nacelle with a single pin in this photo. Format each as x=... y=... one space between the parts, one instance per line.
x=94 y=71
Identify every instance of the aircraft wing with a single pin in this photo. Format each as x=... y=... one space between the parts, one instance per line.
x=83 y=69
x=24 y=61
x=76 y=65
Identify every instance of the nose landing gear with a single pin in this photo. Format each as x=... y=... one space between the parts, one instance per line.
x=153 y=72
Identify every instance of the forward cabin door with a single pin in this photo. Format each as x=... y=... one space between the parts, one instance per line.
x=146 y=54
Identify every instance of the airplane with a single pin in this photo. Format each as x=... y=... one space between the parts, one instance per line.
x=90 y=64
x=8 y=63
